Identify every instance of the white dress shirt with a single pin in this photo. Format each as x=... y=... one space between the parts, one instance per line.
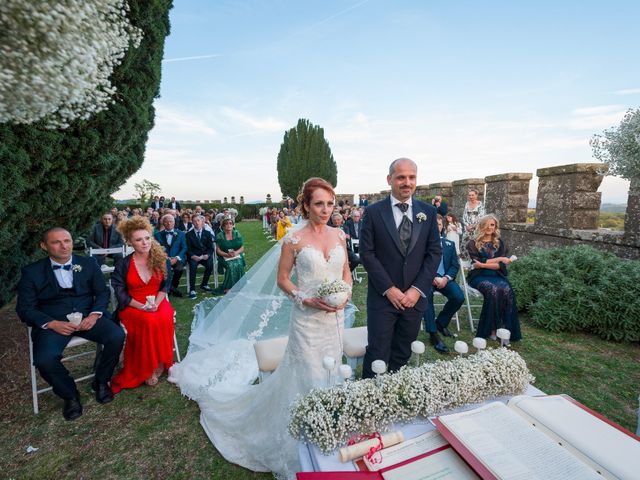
x=397 y=213
x=64 y=277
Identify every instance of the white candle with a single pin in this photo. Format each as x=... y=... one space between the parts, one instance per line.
x=461 y=347
x=328 y=362
x=378 y=366
x=345 y=371
x=479 y=343
x=417 y=347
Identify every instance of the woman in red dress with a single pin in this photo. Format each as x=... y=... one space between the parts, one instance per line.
x=141 y=282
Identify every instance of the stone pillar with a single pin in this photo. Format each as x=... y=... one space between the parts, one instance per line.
x=632 y=217
x=460 y=190
x=422 y=191
x=268 y=198
x=568 y=196
x=241 y=200
x=507 y=196
x=442 y=188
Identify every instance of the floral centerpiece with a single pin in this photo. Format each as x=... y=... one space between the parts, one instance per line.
x=334 y=292
x=329 y=417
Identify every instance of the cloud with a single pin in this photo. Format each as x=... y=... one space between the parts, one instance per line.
x=596 y=118
x=268 y=124
x=197 y=57
x=173 y=120
x=627 y=91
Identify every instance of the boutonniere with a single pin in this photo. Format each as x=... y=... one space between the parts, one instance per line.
x=421 y=217
x=76 y=268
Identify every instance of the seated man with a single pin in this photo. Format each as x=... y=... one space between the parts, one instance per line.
x=53 y=287
x=175 y=244
x=354 y=259
x=353 y=225
x=444 y=283
x=105 y=235
x=200 y=247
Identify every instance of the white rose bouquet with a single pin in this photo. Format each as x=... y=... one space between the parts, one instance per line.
x=334 y=292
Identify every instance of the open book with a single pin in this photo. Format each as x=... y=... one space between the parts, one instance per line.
x=546 y=437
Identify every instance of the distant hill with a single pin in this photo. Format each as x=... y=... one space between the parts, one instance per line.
x=613 y=207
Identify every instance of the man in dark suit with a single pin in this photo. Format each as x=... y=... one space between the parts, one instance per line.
x=48 y=291
x=175 y=244
x=441 y=206
x=200 y=247
x=353 y=225
x=183 y=223
x=444 y=283
x=105 y=235
x=400 y=249
x=352 y=257
x=157 y=204
x=174 y=204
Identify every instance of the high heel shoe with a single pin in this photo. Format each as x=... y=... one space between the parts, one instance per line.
x=152 y=381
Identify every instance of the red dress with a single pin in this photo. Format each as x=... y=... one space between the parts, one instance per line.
x=149 y=334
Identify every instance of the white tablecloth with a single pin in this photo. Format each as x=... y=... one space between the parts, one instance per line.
x=312 y=460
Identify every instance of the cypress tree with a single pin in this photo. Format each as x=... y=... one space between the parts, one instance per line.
x=66 y=177
x=304 y=153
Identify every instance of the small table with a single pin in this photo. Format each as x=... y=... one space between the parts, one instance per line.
x=312 y=460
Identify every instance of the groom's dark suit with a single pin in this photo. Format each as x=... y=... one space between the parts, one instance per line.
x=41 y=299
x=391 y=331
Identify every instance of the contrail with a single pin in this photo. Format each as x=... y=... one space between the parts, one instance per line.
x=199 y=57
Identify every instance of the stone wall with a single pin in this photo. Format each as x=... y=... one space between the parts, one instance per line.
x=567 y=208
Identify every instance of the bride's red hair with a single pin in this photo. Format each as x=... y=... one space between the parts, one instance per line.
x=308 y=188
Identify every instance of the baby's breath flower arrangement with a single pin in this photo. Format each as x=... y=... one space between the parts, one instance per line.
x=329 y=288
x=327 y=418
x=56 y=58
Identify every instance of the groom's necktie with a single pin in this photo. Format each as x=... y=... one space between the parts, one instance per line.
x=404 y=230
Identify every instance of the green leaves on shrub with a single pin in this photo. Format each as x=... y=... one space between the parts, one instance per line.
x=580 y=289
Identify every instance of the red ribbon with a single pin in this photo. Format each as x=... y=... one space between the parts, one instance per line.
x=374 y=455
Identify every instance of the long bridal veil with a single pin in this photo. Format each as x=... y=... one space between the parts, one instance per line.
x=221 y=355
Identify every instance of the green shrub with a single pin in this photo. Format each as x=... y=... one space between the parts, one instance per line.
x=580 y=289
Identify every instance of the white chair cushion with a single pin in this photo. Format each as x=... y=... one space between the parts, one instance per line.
x=270 y=352
x=354 y=341
x=75 y=341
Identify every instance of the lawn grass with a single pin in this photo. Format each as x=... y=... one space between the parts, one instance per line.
x=155 y=432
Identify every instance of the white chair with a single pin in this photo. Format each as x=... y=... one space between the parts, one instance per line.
x=355 y=273
x=354 y=345
x=269 y=353
x=469 y=292
x=107 y=251
x=74 y=342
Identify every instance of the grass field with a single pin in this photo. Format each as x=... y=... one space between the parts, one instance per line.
x=155 y=432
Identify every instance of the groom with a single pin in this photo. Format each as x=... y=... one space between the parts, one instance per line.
x=400 y=249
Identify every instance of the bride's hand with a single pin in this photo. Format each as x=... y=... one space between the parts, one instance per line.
x=315 y=302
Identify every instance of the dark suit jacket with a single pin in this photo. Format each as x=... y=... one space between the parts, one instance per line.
x=443 y=209
x=170 y=205
x=450 y=259
x=40 y=298
x=119 y=281
x=384 y=260
x=204 y=246
x=351 y=229
x=180 y=225
x=97 y=237
x=481 y=257
x=178 y=246
x=153 y=205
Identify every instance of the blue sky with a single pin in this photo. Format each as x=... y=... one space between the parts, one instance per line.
x=466 y=89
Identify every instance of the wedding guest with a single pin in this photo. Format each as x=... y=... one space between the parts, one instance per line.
x=489 y=275
x=283 y=225
x=114 y=212
x=145 y=273
x=337 y=222
x=353 y=225
x=174 y=243
x=453 y=230
x=199 y=252
x=105 y=235
x=441 y=207
x=230 y=250
x=274 y=222
x=48 y=291
x=473 y=210
x=363 y=202
x=156 y=203
x=174 y=204
x=154 y=219
x=121 y=216
x=185 y=223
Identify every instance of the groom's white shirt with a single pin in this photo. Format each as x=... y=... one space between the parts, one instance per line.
x=397 y=213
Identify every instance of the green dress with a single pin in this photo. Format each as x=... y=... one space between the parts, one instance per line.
x=234 y=269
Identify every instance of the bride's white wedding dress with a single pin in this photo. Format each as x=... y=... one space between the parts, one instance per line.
x=248 y=423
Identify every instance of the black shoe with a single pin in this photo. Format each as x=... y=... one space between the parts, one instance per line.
x=176 y=293
x=444 y=330
x=206 y=288
x=72 y=408
x=103 y=392
x=441 y=347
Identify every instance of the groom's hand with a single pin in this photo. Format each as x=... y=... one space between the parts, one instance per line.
x=395 y=296
x=410 y=298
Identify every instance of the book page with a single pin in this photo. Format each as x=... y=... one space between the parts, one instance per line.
x=443 y=465
x=598 y=441
x=512 y=448
x=408 y=449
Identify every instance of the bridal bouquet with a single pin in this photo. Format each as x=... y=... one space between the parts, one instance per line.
x=329 y=417
x=334 y=293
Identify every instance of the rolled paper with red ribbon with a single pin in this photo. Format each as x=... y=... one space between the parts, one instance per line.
x=370 y=446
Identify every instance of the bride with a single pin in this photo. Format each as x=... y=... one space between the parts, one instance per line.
x=248 y=423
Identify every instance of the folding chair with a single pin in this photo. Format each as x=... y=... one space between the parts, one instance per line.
x=469 y=291
x=355 y=273
x=107 y=251
x=74 y=342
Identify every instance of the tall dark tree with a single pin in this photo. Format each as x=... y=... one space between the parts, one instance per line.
x=66 y=177
x=304 y=153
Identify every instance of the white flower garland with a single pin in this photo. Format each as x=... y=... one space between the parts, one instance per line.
x=329 y=417
x=56 y=58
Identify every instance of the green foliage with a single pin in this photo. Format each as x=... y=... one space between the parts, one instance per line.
x=146 y=190
x=614 y=221
x=580 y=289
x=304 y=153
x=619 y=146
x=65 y=177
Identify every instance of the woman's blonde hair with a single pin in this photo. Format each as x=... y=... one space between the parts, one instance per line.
x=480 y=228
x=157 y=261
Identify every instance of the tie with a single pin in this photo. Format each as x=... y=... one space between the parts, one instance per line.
x=105 y=238
x=404 y=230
x=64 y=267
x=198 y=235
x=441 y=266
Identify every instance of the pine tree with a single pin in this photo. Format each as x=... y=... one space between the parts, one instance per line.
x=304 y=153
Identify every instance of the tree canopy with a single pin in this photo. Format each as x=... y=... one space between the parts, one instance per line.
x=619 y=146
x=66 y=177
x=304 y=153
